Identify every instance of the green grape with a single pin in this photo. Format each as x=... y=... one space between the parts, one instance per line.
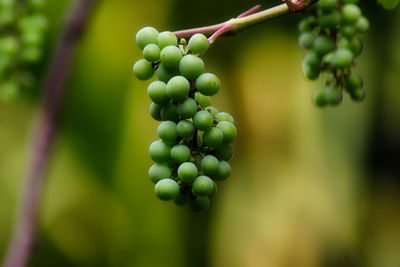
x=187 y=172
x=167 y=38
x=180 y=153
x=323 y=44
x=145 y=36
x=166 y=189
x=215 y=191
x=158 y=172
x=178 y=88
x=151 y=52
x=212 y=110
x=167 y=131
x=203 y=120
x=143 y=69
x=358 y=95
x=213 y=138
x=208 y=84
x=354 y=45
x=155 y=111
x=199 y=204
x=307 y=24
x=191 y=67
x=165 y=74
x=312 y=59
x=320 y=98
x=362 y=25
x=202 y=100
x=224 y=116
x=181 y=199
x=187 y=109
x=342 y=58
x=334 y=96
x=350 y=13
x=306 y=40
x=170 y=56
x=228 y=131
x=157 y=92
x=225 y=152
x=198 y=43
x=209 y=165
x=310 y=71
x=353 y=82
x=184 y=129
x=203 y=186
x=327 y=5
x=348 y=31
x=169 y=113
x=224 y=170
x=330 y=21
x=159 y=151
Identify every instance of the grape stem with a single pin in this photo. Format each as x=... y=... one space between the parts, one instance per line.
x=24 y=235
x=248 y=20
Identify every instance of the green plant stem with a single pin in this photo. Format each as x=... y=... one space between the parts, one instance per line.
x=241 y=23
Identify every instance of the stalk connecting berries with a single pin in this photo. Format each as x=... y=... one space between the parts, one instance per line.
x=195 y=138
x=22 y=29
x=331 y=34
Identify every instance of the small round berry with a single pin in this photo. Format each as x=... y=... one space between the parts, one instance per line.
x=224 y=116
x=178 y=88
x=225 y=152
x=159 y=151
x=166 y=189
x=157 y=92
x=228 y=130
x=147 y=35
x=213 y=138
x=224 y=170
x=158 y=172
x=203 y=120
x=154 y=111
x=209 y=165
x=202 y=100
x=187 y=109
x=151 y=52
x=171 y=56
x=208 y=84
x=167 y=38
x=180 y=153
x=191 y=67
x=169 y=113
x=185 y=129
x=203 y=186
x=198 y=43
x=187 y=172
x=320 y=98
x=143 y=69
x=167 y=131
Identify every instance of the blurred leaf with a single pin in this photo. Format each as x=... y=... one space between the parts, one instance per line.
x=389 y=4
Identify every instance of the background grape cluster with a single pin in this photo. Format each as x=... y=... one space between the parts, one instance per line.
x=195 y=138
x=331 y=34
x=22 y=29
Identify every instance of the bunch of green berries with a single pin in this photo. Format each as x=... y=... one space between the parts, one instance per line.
x=22 y=29
x=195 y=142
x=331 y=34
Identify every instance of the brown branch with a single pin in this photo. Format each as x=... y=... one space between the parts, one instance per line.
x=54 y=86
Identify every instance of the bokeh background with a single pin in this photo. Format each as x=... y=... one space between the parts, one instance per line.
x=310 y=187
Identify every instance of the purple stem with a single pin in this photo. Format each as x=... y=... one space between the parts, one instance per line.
x=250 y=11
x=54 y=86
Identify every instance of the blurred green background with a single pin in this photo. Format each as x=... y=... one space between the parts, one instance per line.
x=310 y=187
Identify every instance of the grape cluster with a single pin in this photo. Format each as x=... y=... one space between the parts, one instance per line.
x=22 y=29
x=331 y=34
x=195 y=138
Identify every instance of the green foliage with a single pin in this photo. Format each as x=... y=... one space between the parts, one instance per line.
x=22 y=29
x=195 y=138
x=389 y=4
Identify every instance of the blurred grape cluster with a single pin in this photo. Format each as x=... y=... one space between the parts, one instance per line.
x=22 y=28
